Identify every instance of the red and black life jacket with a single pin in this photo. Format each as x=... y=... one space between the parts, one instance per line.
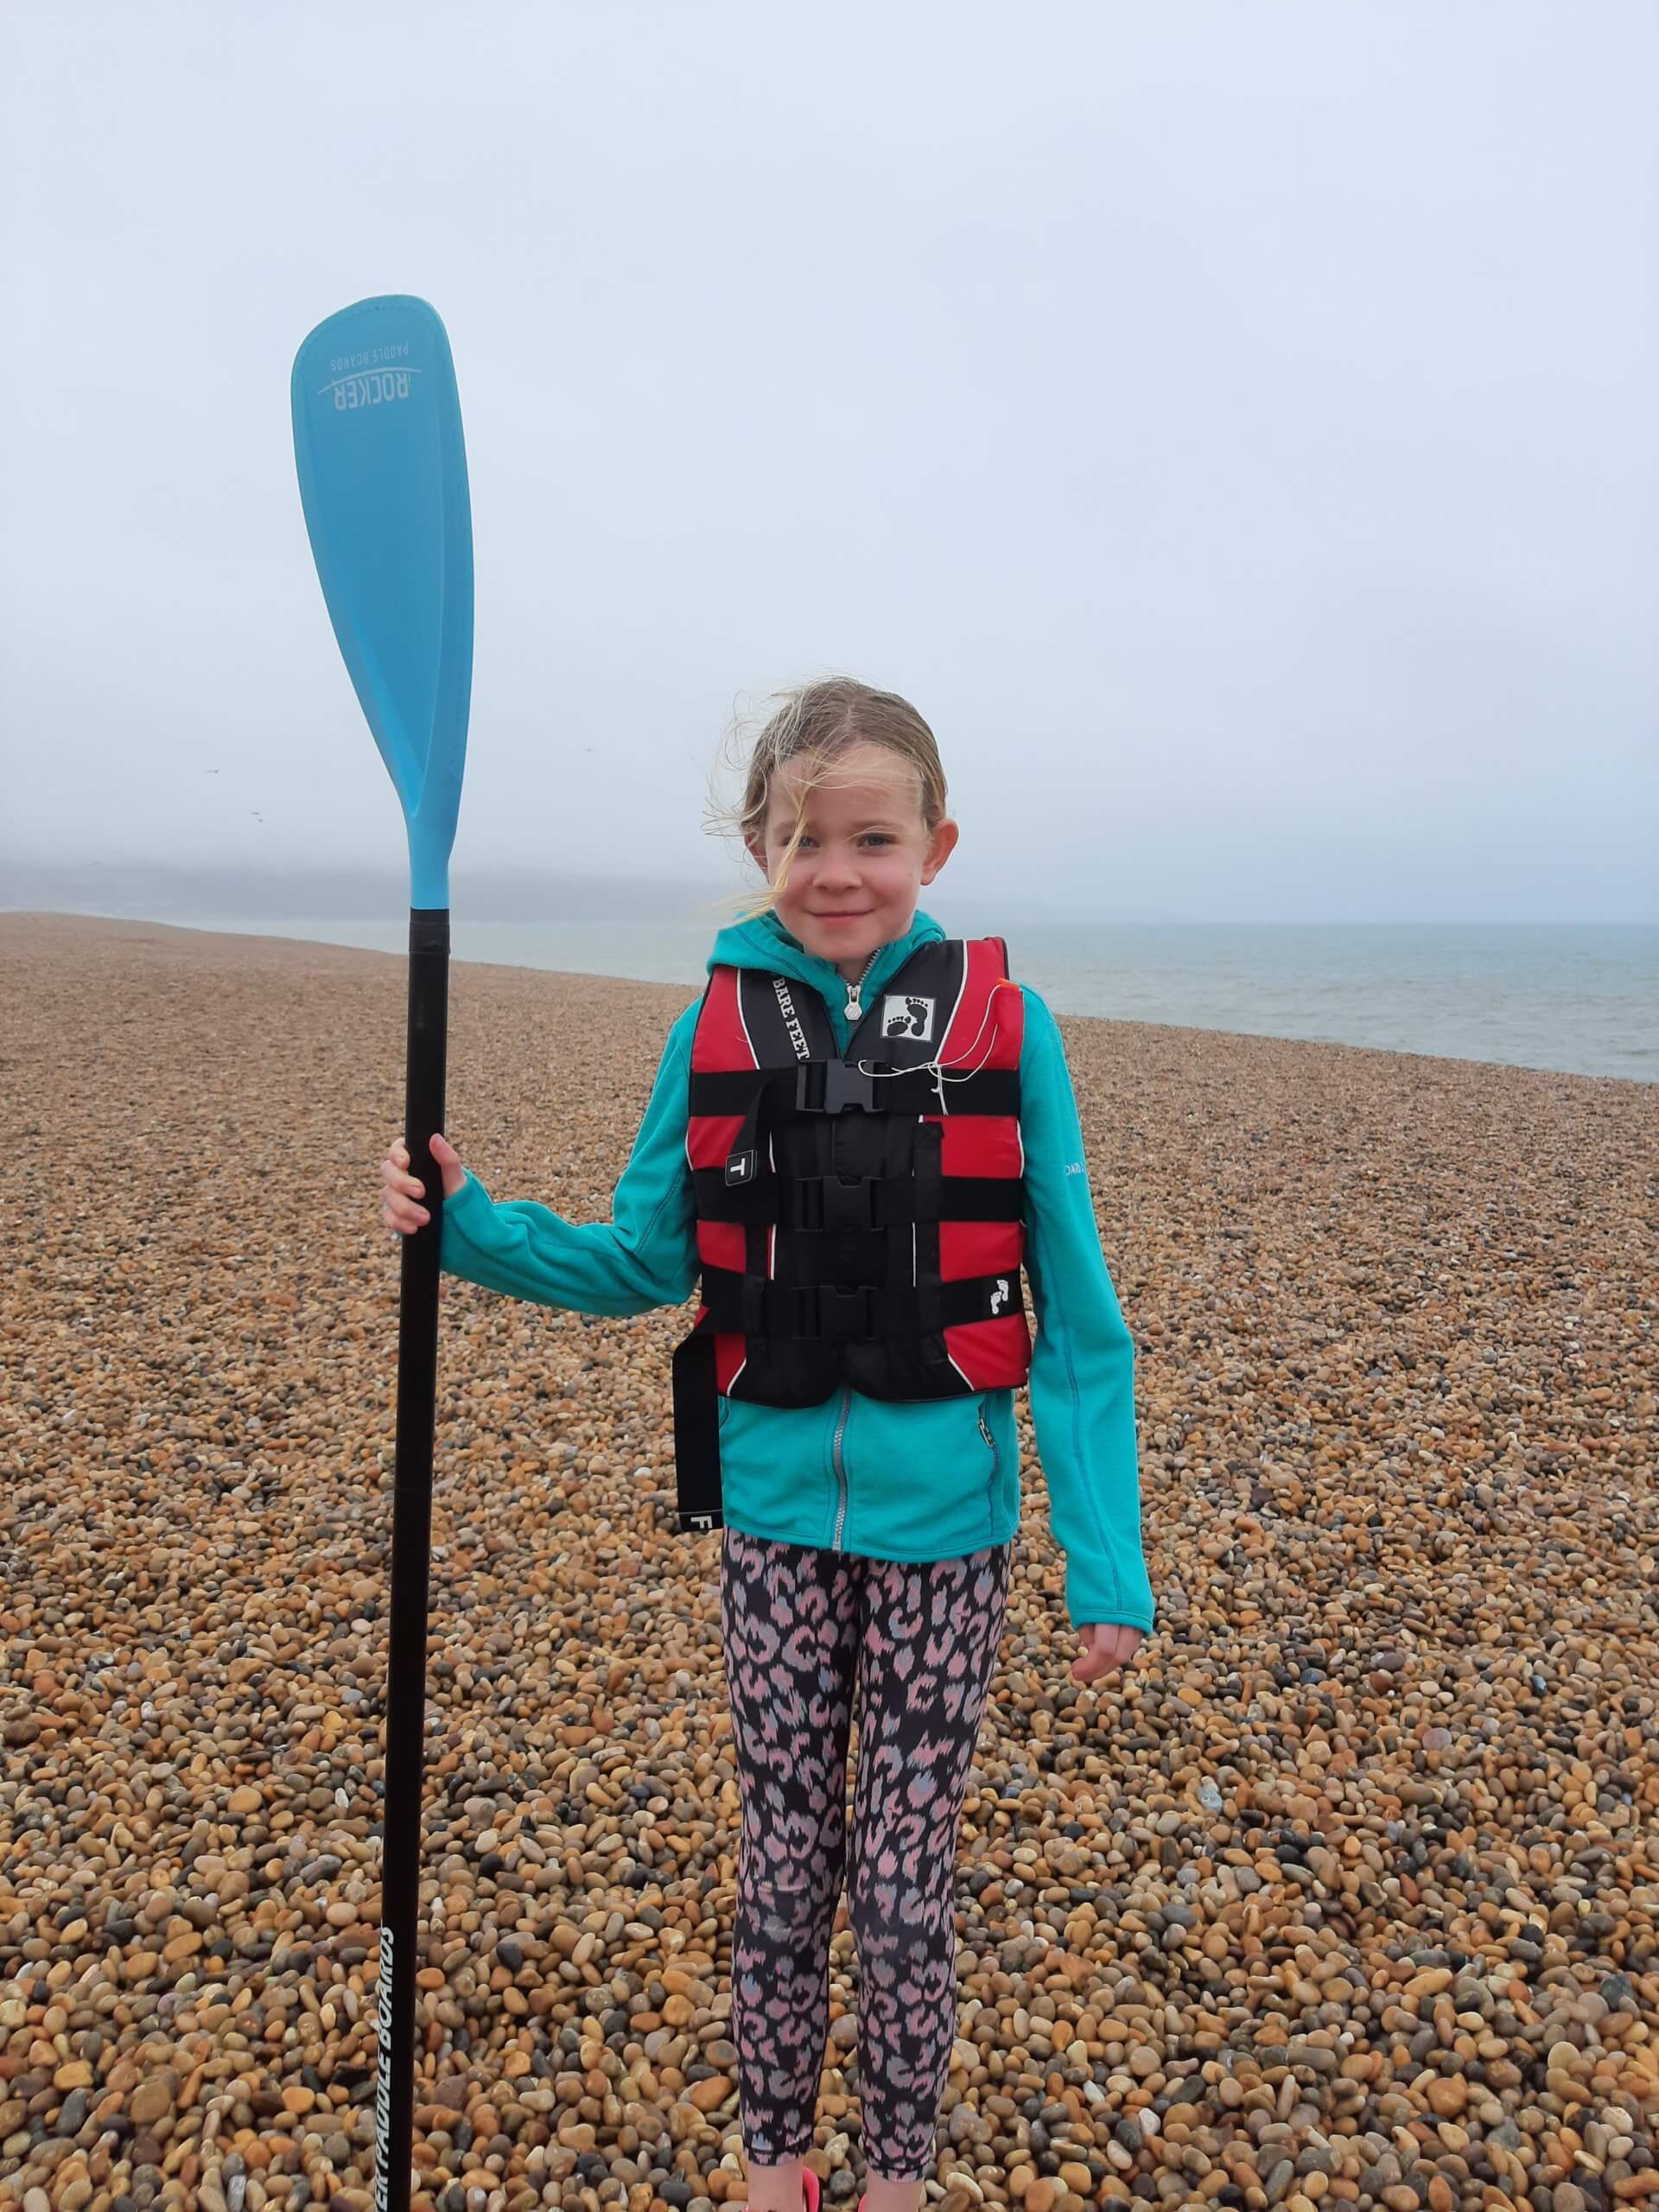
x=859 y=1217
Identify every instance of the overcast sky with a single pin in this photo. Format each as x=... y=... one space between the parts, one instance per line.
x=1235 y=428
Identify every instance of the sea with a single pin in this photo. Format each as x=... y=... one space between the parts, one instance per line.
x=1579 y=998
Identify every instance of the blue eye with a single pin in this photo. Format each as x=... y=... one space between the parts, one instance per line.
x=879 y=835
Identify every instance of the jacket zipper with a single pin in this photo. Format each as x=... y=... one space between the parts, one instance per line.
x=852 y=1011
x=841 y=1472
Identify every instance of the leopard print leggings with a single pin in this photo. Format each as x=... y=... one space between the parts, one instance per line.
x=803 y=1627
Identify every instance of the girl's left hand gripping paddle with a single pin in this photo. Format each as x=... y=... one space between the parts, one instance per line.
x=383 y=478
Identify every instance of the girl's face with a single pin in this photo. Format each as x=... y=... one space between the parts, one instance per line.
x=864 y=854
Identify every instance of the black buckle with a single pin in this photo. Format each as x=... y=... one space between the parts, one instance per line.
x=848 y=1202
x=836 y=1313
x=831 y=1086
x=834 y=1201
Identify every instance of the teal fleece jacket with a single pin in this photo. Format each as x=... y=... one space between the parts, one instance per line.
x=917 y=1480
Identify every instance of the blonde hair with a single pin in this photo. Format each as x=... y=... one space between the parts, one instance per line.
x=815 y=723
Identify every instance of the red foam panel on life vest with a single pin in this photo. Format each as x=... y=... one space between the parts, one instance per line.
x=979 y=1247
x=979 y=1144
x=721 y=1243
x=988 y=1028
x=709 y=1138
x=719 y=1041
x=993 y=1355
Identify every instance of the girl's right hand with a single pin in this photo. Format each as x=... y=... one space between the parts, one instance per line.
x=400 y=1196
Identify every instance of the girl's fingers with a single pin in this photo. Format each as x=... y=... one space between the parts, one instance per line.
x=398 y=1215
x=398 y=1191
x=401 y=1186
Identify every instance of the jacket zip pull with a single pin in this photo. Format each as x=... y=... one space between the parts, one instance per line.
x=852 y=1011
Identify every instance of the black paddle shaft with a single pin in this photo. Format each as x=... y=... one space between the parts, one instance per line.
x=411 y=1548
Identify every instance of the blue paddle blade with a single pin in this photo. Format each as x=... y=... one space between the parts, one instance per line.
x=383 y=479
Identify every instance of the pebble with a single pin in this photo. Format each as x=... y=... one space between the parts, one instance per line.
x=1345 y=1894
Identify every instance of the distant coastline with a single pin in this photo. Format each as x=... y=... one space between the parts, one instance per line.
x=1578 y=999
x=154 y=891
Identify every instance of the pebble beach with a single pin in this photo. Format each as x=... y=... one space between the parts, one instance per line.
x=1345 y=1893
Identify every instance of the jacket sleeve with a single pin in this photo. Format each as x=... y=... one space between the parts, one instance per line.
x=644 y=1255
x=1083 y=1359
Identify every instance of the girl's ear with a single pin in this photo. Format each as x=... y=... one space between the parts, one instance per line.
x=942 y=844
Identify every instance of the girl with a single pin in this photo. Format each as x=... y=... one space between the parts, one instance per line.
x=860 y=1134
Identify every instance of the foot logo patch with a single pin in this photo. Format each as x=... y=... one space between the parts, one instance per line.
x=903 y=1016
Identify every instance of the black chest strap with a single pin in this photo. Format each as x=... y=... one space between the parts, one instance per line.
x=765 y=1096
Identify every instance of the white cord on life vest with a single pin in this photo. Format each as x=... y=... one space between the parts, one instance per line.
x=936 y=1068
